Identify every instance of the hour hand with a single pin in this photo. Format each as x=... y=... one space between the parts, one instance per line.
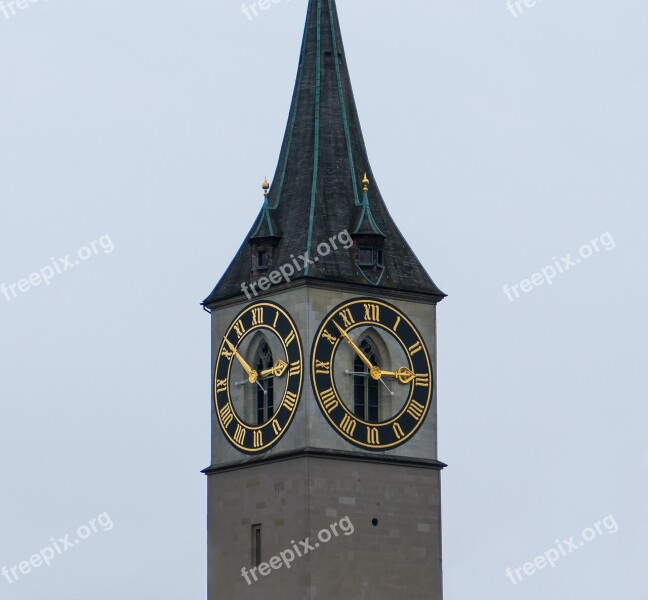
x=404 y=375
x=277 y=371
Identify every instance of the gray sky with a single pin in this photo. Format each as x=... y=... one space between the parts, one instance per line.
x=500 y=142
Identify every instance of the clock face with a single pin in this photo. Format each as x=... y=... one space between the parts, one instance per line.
x=258 y=377
x=371 y=374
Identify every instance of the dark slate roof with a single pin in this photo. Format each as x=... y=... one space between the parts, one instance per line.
x=317 y=191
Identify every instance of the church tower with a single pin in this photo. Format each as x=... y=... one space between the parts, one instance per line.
x=324 y=481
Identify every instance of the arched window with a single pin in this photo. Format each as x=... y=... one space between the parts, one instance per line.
x=366 y=393
x=265 y=389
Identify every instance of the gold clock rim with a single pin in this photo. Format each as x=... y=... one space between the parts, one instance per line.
x=242 y=423
x=382 y=424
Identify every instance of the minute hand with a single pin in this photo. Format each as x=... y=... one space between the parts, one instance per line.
x=360 y=353
x=246 y=367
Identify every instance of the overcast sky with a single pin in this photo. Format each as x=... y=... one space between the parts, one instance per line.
x=504 y=142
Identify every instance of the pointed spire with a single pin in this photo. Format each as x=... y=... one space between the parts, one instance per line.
x=321 y=186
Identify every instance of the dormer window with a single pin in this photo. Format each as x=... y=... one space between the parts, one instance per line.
x=262 y=260
x=365 y=256
x=262 y=250
x=370 y=256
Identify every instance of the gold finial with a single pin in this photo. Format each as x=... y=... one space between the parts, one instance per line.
x=365 y=183
x=265 y=186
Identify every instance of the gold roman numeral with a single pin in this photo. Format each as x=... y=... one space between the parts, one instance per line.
x=372 y=436
x=227 y=354
x=327 y=336
x=348 y=425
x=239 y=328
x=274 y=325
x=423 y=381
x=221 y=385
x=226 y=415
x=276 y=427
x=290 y=401
x=322 y=368
x=239 y=435
x=398 y=320
x=329 y=400
x=290 y=338
x=372 y=312
x=398 y=430
x=258 y=438
x=257 y=316
x=416 y=410
x=347 y=317
x=414 y=348
x=295 y=368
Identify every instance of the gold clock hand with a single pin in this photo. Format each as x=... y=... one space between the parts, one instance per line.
x=252 y=374
x=277 y=371
x=404 y=375
x=358 y=351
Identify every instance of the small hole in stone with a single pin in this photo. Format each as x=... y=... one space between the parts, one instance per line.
x=374 y=522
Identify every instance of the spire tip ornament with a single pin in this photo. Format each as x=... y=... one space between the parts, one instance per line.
x=265 y=186
x=365 y=183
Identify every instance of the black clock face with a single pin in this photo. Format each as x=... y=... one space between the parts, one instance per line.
x=258 y=377
x=353 y=384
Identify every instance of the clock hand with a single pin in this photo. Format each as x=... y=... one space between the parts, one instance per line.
x=375 y=371
x=388 y=388
x=277 y=371
x=252 y=374
x=357 y=373
x=403 y=375
x=246 y=382
x=365 y=374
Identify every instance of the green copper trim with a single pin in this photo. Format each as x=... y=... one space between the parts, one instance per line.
x=366 y=211
x=367 y=278
x=318 y=92
x=264 y=213
x=345 y=119
x=293 y=120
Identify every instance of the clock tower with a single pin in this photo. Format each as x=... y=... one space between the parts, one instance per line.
x=324 y=480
